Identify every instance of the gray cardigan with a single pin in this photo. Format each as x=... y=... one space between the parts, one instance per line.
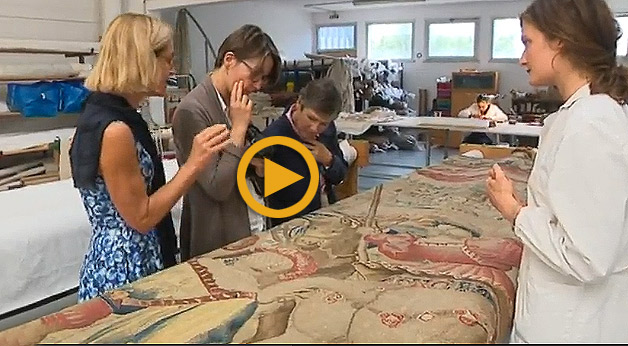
x=214 y=213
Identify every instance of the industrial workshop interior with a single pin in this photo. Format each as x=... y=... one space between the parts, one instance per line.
x=313 y=171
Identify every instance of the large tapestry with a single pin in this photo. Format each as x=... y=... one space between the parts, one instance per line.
x=424 y=258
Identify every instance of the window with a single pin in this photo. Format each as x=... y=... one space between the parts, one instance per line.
x=389 y=41
x=622 y=44
x=507 y=39
x=452 y=40
x=335 y=38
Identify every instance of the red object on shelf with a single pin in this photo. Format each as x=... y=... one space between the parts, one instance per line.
x=443 y=93
x=443 y=86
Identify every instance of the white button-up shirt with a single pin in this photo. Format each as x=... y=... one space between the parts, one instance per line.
x=573 y=280
x=493 y=113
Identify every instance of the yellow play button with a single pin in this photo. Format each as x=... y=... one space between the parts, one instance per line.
x=276 y=177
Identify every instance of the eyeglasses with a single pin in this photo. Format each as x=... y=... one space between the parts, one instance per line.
x=256 y=74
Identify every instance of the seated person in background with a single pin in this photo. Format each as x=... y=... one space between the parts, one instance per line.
x=483 y=109
x=310 y=121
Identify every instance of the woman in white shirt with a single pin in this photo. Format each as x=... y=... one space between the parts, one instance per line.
x=573 y=279
x=483 y=108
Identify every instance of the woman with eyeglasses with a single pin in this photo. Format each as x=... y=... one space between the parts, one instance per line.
x=214 y=213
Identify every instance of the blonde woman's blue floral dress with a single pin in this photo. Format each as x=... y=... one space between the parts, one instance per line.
x=117 y=254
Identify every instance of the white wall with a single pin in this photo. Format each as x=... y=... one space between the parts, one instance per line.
x=421 y=74
x=110 y=9
x=619 y=6
x=158 y=5
x=286 y=21
x=133 y=6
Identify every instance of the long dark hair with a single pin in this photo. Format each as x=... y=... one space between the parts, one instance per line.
x=589 y=34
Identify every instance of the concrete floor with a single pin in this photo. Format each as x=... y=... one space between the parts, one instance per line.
x=395 y=163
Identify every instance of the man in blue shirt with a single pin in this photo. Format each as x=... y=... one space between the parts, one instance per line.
x=310 y=120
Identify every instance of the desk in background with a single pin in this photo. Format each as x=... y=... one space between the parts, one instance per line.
x=449 y=124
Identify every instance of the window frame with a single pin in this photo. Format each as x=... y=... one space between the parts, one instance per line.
x=324 y=51
x=476 y=42
x=500 y=60
x=412 y=47
x=624 y=36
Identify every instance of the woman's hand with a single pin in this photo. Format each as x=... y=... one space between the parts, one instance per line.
x=206 y=144
x=122 y=174
x=240 y=113
x=502 y=195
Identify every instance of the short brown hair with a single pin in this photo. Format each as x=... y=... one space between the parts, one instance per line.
x=127 y=62
x=249 y=42
x=323 y=97
x=589 y=34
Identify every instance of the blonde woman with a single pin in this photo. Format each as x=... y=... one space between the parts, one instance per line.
x=115 y=164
